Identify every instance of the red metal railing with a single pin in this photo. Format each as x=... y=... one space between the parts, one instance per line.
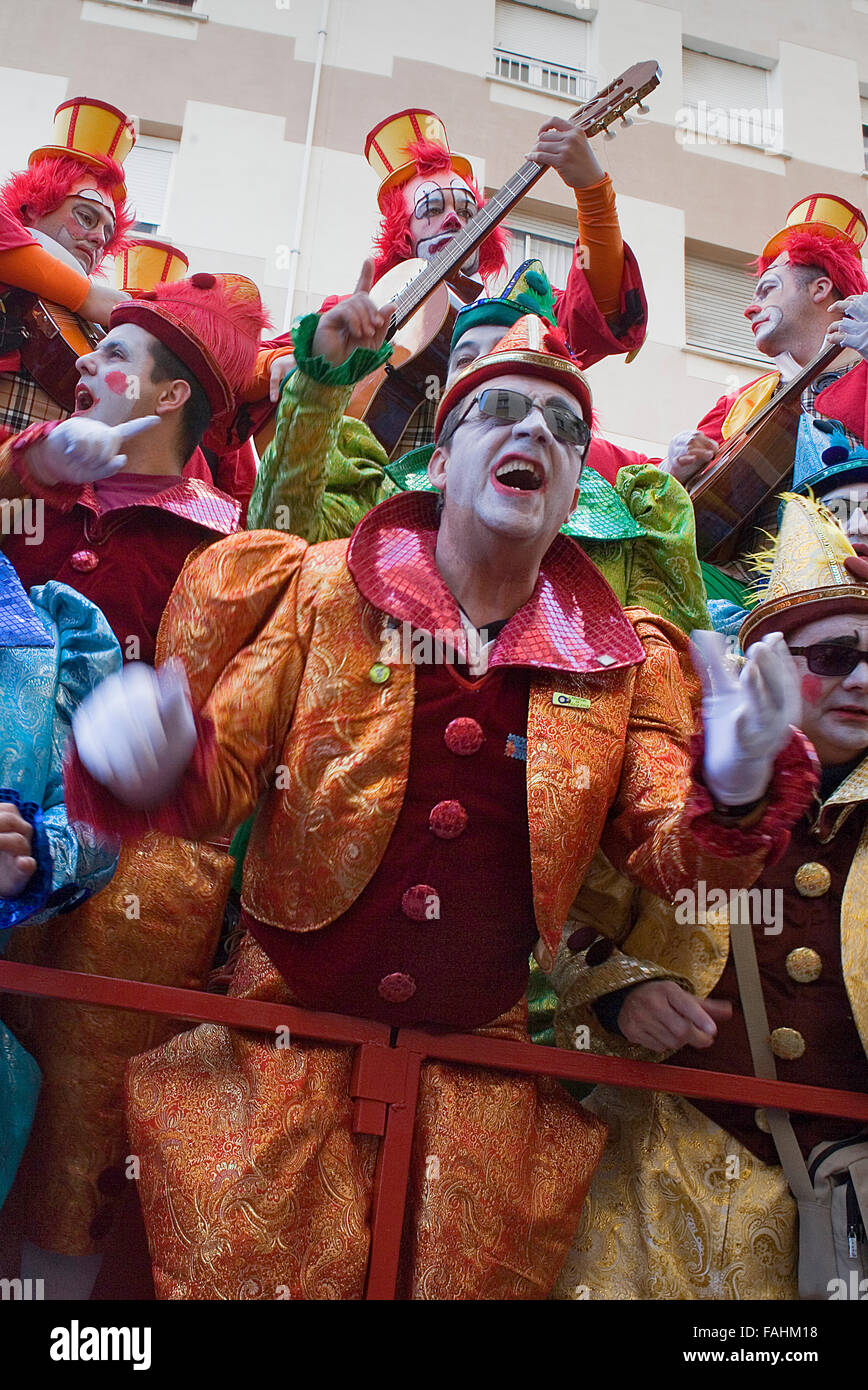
x=385 y=1078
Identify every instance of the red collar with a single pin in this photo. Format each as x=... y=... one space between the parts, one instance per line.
x=572 y=621
x=191 y=498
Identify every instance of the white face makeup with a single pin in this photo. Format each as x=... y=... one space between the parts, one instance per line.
x=513 y=478
x=115 y=379
x=834 y=708
x=83 y=227
x=439 y=205
x=849 y=506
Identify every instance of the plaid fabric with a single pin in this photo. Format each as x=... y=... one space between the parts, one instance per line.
x=23 y=403
x=810 y=394
x=419 y=431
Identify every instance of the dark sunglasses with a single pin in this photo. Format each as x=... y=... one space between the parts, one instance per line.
x=511 y=406
x=830 y=658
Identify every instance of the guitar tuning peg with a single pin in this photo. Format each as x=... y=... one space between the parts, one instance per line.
x=625 y=120
x=609 y=135
x=643 y=108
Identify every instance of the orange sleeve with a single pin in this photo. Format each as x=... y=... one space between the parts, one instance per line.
x=35 y=269
x=600 y=235
x=260 y=386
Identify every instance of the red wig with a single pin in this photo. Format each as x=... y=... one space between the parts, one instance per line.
x=393 y=242
x=840 y=262
x=35 y=192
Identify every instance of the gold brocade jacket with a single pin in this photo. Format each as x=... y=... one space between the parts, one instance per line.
x=301 y=717
x=652 y=943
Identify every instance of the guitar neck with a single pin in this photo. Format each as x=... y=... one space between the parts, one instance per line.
x=612 y=102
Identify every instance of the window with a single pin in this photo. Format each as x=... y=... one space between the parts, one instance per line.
x=865 y=128
x=729 y=101
x=543 y=241
x=541 y=49
x=148 y=171
x=171 y=4
x=716 y=296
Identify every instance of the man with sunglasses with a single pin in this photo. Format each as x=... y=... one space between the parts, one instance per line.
x=709 y=1213
x=420 y=823
x=59 y=219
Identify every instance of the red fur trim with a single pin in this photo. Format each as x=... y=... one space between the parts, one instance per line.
x=841 y=264
x=393 y=243
x=33 y=193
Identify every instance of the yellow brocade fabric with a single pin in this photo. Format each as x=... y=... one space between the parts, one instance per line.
x=253 y=1185
x=678 y=1209
x=749 y=401
x=157 y=921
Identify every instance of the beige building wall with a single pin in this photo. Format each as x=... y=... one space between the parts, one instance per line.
x=231 y=80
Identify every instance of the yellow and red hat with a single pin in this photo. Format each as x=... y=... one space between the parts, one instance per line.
x=90 y=131
x=145 y=263
x=824 y=214
x=213 y=323
x=386 y=148
x=531 y=347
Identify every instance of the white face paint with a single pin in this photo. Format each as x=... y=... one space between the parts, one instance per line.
x=439 y=205
x=83 y=226
x=115 y=379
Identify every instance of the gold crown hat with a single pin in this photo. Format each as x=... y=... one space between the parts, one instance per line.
x=85 y=129
x=824 y=214
x=807 y=574
x=386 y=148
x=145 y=263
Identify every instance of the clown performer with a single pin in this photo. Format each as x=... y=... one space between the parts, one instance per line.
x=442 y=850
x=120 y=524
x=325 y=470
x=811 y=288
x=691 y=1200
x=59 y=219
x=428 y=193
x=54 y=648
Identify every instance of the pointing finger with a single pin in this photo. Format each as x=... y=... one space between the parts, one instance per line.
x=138 y=426
x=366 y=277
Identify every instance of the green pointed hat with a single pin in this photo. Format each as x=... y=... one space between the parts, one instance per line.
x=528 y=292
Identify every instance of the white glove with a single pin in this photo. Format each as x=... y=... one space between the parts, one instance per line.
x=852 y=330
x=747 y=717
x=135 y=733
x=83 y=451
x=688 y=452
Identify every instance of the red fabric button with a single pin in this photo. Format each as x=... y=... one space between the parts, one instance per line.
x=581 y=939
x=84 y=560
x=448 y=819
x=463 y=736
x=203 y=280
x=396 y=988
x=421 y=903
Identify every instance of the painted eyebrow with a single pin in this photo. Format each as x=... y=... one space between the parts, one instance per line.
x=114 y=343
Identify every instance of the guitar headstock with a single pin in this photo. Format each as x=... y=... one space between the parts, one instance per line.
x=615 y=100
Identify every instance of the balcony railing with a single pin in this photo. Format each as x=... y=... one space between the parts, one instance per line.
x=547 y=77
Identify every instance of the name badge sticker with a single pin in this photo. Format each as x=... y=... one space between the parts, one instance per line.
x=560 y=697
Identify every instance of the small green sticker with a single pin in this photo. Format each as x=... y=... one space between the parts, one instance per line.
x=379 y=673
x=560 y=697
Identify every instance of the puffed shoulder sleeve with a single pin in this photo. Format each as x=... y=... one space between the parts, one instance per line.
x=665 y=576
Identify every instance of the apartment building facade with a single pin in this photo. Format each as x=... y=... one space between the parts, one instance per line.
x=252 y=117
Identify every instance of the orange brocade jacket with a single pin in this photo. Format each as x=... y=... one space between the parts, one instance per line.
x=300 y=715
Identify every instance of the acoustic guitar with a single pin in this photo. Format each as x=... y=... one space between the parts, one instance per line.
x=52 y=339
x=751 y=468
x=424 y=306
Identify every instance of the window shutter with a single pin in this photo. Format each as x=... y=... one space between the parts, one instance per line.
x=865 y=128
x=716 y=297
x=147 y=171
x=554 y=38
x=545 y=241
x=719 y=82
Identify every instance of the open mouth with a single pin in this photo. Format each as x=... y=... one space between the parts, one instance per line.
x=84 y=398
x=519 y=475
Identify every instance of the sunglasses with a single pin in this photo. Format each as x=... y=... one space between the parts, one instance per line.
x=830 y=658
x=509 y=407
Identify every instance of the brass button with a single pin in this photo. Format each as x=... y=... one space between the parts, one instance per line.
x=813 y=880
x=804 y=965
x=787 y=1043
x=761 y=1120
